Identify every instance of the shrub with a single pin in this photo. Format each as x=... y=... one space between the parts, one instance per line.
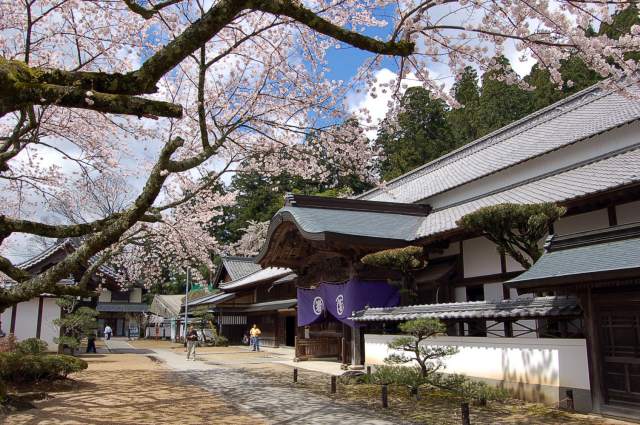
x=7 y=343
x=220 y=341
x=31 y=346
x=468 y=388
x=411 y=376
x=23 y=368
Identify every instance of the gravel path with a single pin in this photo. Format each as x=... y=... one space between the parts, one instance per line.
x=273 y=403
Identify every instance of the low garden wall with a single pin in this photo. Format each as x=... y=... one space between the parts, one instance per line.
x=534 y=369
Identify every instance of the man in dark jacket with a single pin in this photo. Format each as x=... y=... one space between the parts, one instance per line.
x=192 y=342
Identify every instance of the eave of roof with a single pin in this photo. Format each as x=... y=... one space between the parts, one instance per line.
x=212 y=299
x=265 y=306
x=585 y=257
x=122 y=307
x=513 y=309
x=266 y=275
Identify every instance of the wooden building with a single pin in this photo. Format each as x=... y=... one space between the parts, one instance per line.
x=550 y=333
x=251 y=295
x=34 y=318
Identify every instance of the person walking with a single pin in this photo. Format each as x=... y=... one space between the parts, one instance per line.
x=91 y=343
x=192 y=342
x=107 y=332
x=255 y=338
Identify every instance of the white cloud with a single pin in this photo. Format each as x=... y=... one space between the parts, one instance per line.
x=370 y=107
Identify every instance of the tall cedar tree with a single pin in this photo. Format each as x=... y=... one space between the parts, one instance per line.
x=500 y=103
x=464 y=120
x=420 y=133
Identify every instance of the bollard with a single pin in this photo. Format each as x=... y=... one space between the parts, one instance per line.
x=295 y=375
x=368 y=370
x=385 y=396
x=465 y=414
x=333 y=384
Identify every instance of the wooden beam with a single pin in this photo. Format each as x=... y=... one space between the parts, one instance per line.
x=12 y=327
x=39 y=325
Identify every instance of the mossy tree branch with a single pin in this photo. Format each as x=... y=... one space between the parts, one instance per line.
x=48 y=281
x=22 y=85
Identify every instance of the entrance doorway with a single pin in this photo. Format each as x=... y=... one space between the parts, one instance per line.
x=290 y=331
x=619 y=326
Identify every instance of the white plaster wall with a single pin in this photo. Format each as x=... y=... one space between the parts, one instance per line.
x=105 y=296
x=493 y=291
x=587 y=149
x=48 y=331
x=460 y=292
x=480 y=257
x=5 y=320
x=553 y=362
x=628 y=213
x=27 y=319
x=597 y=219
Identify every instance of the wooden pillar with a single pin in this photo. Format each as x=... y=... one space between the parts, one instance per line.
x=39 y=325
x=276 y=331
x=356 y=352
x=12 y=326
x=593 y=350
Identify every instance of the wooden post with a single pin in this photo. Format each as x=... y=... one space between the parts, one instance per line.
x=295 y=375
x=464 y=407
x=385 y=396
x=333 y=384
x=368 y=370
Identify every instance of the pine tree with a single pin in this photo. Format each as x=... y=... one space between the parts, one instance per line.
x=419 y=134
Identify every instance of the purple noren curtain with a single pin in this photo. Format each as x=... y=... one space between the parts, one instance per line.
x=341 y=300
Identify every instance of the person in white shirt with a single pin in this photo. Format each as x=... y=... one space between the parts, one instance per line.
x=107 y=332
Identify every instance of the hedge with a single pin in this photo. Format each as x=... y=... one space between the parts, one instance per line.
x=24 y=368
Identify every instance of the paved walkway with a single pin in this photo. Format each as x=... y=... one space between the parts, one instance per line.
x=265 y=399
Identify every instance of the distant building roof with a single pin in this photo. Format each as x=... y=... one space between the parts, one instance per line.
x=267 y=275
x=518 y=308
x=212 y=299
x=581 y=258
x=122 y=307
x=265 y=306
x=167 y=305
x=239 y=267
x=583 y=115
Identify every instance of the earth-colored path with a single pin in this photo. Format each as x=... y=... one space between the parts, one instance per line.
x=275 y=404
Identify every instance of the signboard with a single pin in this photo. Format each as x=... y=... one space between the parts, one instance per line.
x=134 y=332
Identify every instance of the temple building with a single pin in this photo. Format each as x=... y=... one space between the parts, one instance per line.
x=120 y=308
x=566 y=328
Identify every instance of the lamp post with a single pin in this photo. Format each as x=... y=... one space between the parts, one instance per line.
x=186 y=304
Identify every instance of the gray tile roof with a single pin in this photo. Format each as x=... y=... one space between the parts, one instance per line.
x=167 y=305
x=212 y=299
x=239 y=267
x=597 y=176
x=584 y=256
x=583 y=115
x=316 y=221
x=268 y=274
x=518 y=308
x=122 y=307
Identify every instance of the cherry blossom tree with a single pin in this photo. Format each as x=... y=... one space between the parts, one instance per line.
x=174 y=94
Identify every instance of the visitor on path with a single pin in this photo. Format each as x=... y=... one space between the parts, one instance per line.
x=91 y=343
x=255 y=338
x=107 y=332
x=192 y=341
